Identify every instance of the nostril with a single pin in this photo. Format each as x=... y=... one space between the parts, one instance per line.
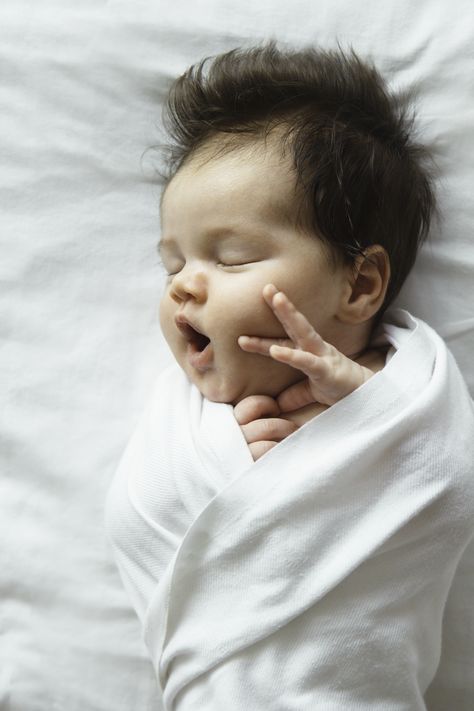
x=175 y=296
x=189 y=282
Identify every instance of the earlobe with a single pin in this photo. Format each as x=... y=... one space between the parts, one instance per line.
x=366 y=285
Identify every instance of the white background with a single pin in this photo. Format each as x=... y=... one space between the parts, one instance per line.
x=80 y=90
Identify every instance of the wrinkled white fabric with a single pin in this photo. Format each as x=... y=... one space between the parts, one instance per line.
x=317 y=576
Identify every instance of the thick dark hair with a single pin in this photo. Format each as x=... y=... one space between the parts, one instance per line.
x=361 y=178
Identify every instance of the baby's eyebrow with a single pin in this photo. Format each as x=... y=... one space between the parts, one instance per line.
x=225 y=234
x=246 y=234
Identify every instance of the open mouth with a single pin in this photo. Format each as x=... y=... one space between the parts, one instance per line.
x=197 y=340
x=199 y=352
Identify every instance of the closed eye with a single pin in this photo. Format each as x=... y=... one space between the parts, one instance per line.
x=170 y=260
x=237 y=264
x=170 y=271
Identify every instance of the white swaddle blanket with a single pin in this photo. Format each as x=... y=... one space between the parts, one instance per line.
x=315 y=577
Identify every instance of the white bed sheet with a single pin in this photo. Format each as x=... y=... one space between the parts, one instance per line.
x=80 y=90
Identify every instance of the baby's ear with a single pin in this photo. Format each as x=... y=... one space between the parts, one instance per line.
x=367 y=284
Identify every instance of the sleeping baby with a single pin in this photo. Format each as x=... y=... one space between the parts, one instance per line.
x=289 y=513
x=222 y=242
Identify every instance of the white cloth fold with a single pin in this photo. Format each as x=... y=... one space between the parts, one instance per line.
x=317 y=576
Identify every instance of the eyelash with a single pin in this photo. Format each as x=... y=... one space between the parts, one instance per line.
x=161 y=265
x=235 y=264
x=219 y=264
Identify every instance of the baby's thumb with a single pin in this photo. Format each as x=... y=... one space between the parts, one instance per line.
x=296 y=396
x=254 y=407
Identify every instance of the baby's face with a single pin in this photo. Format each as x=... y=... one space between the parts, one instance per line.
x=222 y=241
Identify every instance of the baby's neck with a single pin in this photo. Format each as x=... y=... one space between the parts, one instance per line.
x=373 y=358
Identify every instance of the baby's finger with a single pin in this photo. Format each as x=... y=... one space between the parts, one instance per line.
x=257 y=344
x=296 y=396
x=258 y=449
x=296 y=325
x=311 y=365
x=270 y=429
x=254 y=407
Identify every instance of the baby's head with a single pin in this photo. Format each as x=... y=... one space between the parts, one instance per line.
x=291 y=168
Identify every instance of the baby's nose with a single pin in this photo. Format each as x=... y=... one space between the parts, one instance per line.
x=190 y=282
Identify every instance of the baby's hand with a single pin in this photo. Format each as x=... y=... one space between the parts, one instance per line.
x=258 y=418
x=331 y=374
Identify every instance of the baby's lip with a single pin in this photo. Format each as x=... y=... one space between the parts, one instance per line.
x=200 y=353
x=192 y=333
x=187 y=327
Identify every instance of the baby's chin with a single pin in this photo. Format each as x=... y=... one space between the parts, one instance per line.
x=231 y=393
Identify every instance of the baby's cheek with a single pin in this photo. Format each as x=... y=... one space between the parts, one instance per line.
x=166 y=318
x=253 y=318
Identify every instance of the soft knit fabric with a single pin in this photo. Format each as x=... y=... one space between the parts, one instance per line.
x=317 y=576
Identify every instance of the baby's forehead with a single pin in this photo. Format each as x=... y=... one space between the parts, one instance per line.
x=249 y=175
